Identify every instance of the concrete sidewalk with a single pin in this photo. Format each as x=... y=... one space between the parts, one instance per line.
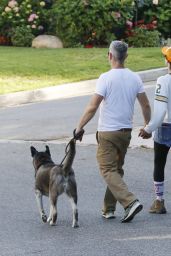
x=66 y=90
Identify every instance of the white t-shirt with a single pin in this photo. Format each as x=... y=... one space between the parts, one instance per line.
x=162 y=103
x=119 y=88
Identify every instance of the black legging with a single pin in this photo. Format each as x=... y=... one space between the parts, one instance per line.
x=160 y=157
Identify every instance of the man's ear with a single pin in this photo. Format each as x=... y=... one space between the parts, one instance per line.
x=33 y=151
x=110 y=56
x=48 y=150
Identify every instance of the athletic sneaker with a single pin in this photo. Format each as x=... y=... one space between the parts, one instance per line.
x=158 y=207
x=132 y=209
x=108 y=215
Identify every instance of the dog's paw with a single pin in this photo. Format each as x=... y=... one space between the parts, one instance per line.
x=44 y=218
x=52 y=223
x=75 y=225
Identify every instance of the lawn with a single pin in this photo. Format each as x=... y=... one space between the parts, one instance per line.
x=28 y=68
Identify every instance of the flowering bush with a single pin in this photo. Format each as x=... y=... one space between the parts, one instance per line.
x=161 y=12
x=29 y=13
x=91 y=22
x=156 y=10
x=143 y=31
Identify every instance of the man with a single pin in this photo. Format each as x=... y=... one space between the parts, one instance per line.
x=161 y=124
x=116 y=92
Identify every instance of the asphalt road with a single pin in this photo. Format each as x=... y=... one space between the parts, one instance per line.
x=23 y=234
x=21 y=231
x=53 y=120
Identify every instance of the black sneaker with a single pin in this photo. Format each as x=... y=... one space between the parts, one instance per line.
x=132 y=209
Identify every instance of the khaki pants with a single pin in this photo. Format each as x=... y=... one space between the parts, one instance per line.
x=112 y=147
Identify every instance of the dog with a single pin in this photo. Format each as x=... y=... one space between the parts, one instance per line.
x=52 y=180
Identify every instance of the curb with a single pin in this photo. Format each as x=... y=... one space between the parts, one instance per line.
x=66 y=90
x=152 y=74
x=88 y=140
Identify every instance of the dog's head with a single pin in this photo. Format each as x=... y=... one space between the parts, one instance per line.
x=40 y=158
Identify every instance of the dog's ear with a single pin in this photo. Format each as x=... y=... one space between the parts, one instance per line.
x=48 y=150
x=33 y=151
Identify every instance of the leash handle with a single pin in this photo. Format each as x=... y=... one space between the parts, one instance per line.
x=79 y=135
x=76 y=136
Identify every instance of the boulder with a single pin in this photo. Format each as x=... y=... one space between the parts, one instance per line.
x=47 y=41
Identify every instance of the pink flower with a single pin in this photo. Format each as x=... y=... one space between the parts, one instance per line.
x=117 y=15
x=154 y=22
x=129 y=23
x=12 y=3
x=32 y=17
x=33 y=26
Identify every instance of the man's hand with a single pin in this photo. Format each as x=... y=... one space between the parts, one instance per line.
x=78 y=134
x=143 y=134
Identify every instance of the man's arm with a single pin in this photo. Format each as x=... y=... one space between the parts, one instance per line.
x=89 y=111
x=145 y=106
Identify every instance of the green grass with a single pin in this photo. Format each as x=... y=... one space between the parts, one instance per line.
x=28 y=68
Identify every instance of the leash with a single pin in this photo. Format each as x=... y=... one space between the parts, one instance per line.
x=66 y=152
x=77 y=136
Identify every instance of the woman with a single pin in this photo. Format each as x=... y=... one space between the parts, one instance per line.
x=161 y=124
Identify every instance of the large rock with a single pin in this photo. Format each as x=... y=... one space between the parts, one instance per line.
x=47 y=41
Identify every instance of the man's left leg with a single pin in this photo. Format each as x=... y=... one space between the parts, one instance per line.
x=109 y=199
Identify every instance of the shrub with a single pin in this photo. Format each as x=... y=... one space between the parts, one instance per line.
x=91 y=22
x=19 y=13
x=161 y=13
x=22 y=36
x=141 y=37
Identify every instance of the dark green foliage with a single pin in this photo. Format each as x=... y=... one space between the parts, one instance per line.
x=91 y=22
x=22 y=36
x=141 y=37
x=161 y=13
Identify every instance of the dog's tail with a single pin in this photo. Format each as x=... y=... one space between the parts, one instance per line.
x=67 y=164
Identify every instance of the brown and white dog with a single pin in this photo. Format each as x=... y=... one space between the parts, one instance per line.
x=52 y=180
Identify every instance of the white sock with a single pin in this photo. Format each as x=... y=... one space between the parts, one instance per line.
x=159 y=189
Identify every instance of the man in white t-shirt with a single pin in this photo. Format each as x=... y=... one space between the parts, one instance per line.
x=115 y=93
x=161 y=124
